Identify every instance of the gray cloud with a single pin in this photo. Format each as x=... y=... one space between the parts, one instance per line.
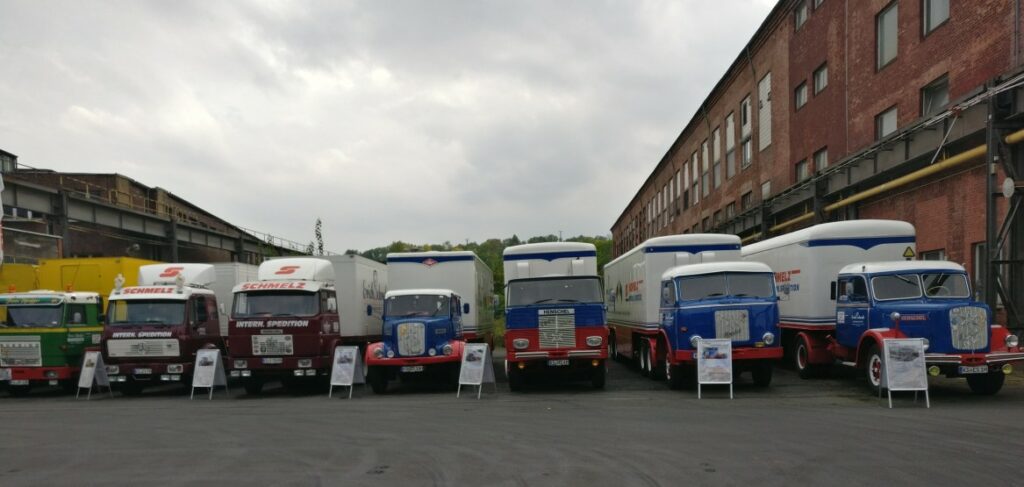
x=418 y=121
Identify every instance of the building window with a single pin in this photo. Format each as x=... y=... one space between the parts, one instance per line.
x=800 y=15
x=936 y=13
x=821 y=160
x=885 y=123
x=939 y=254
x=730 y=211
x=801 y=171
x=705 y=224
x=746 y=201
x=800 y=95
x=764 y=112
x=716 y=151
x=746 y=142
x=886 y=31
x=718 y=218
x=696 y=179
x=748 y=152
x=820 y=78
x=817 y=3
x=766 y=190
x=705 y=176
x=935 y=96
x=730 y=146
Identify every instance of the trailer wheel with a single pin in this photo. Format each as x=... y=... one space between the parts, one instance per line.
x=801 y=359
x=253 y=386
x=645 y=357
x=19 y=391
x=762 y=374
x=598 y=376
x=986 y=384
x=874 y=368
x=378 y=380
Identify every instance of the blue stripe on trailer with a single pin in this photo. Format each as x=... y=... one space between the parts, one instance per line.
x=693 y=249
x=438 y=258
x=551 y=255
x=861 y=242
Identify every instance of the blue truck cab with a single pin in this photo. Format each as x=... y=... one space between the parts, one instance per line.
x=921 y=299
x=723 y=300
x=421 y=336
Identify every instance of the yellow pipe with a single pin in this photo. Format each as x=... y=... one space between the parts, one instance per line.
x=746 y=239
x=789 y=223
x=1015 y=137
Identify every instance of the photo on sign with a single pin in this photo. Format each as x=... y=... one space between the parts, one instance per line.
x=474 y=355
x=904 y=353
x=714 y=353
x=205 y=361
x=344 y=358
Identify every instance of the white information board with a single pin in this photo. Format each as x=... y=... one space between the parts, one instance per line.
x=477 y=368
x=346 y=369
x=903 y=367
x=208 y=371
x=714 y=363
x=93 y=373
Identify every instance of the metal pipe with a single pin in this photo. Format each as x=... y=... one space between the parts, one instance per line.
x=789 y=223
x=1015 y=138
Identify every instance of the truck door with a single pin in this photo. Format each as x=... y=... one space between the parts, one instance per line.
x=77 y=321
x=456 y=316
x=198 y=324
x=668 y=303
x=851 y=310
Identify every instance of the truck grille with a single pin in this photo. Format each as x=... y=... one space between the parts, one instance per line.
x=20 y=352
x=556 y=328
x=411 y=339
x=968 y=327
x=273 y=345
x=732 y=324
x=143 y=348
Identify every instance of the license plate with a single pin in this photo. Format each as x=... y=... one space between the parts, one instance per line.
x=412 y=368
x=17 y=382
x=273 y=360
x=975 y=369
x=558 y=363
x=5 y=374
x=142 y=371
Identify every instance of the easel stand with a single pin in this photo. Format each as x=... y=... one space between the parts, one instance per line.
x=700 y=384
x=93 y=373
x=346 y=369
x=477 y=368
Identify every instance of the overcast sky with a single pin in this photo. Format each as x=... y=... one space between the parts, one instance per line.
x=419 y=121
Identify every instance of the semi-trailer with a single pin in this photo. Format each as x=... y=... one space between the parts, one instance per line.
x=554 y=313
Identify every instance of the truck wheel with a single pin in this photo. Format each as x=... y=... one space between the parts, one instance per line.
x=986 y=384
x=801 y=360
x=645 y=367
x=874 y=369
x=515 y=378
x=253 y=386
x=762 y=374
x=19 y=391
x=674 y=375
x=131 y=388
x=597 y=377
x=613 y=354
x=378 y=380
x=657 y=372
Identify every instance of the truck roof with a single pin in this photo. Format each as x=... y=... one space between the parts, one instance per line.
x=852 y=232
x=168 y=293
x=540 y=250
x=714 y=268
x=438 y=255
x=690 y=243
x=902 y=266
x=297 y=269
x=77 y=297
x=412 y=292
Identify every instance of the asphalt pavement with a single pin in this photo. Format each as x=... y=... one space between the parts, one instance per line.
x=829 y=431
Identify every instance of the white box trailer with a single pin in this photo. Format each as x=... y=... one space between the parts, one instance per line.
x=549 y=259
x=633 y=280
x=807 y=261
x=460 y=271
x=227 y=276
x=360 y=284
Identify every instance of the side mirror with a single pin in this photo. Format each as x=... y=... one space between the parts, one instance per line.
x=76 y=317
x=465 y=308
x=332 y=304
x=369 y=310
x=832 y=292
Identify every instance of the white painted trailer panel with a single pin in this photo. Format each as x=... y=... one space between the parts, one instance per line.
x=359 y=283
x=549 y=259
x=461 y=271
x=229 y=275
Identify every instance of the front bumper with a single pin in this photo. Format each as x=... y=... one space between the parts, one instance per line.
x=973 y=358
x=149 y=372
x=573 y=354
x=738 y=354
x=277 y=367
x=17 y=374
x=405 y=361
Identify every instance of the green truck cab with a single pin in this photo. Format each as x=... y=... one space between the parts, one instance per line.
x=43 y=336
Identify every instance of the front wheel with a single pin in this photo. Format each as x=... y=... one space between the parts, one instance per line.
x=674 y=374
x=19 y=391
x=597 y=378
x=874 y=368
x=762 y=374
x=986 y=384
x=613 y=354
x=253 y=386
x=801 y=360
x=131 y=388
x=515 y=377
x=378 y=380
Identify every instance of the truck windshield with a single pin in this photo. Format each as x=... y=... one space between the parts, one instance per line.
x=146 y=312
x=736 y=284
x=33 y=316
x=275 y=303
x=416 y=305
x=896 y=286
x=945 y=285
x=554 y=290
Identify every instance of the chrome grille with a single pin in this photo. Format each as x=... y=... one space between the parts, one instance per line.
x=556 y=328
x=968 y=327
x=732 y=324
x=411 y=339
x=20 y=351
x=143 y=348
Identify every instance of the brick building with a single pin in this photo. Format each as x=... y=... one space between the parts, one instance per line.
x=832 y=99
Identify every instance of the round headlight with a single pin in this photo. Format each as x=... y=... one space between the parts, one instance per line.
x=768 y=338
x=694 y=340
x=1012 y=341
x=391 y=353
x=431 y=352
x=594 y=341
x=520 y=343
x=447 y=349
x=378 y=353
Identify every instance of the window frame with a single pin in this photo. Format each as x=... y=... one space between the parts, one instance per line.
x=937 y=82
x=814 y=78
x=925 y=31
x=891 y=7
x=878 y=122
x=802 y=163
x=797 y=98
x=819 y=152
x=799 y=19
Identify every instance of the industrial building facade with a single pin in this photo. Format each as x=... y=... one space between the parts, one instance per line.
x=842 y=109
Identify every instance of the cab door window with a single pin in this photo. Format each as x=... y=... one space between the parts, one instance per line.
x=76 y=314
x=199 y=312
x=853 y=290
x=668 y=294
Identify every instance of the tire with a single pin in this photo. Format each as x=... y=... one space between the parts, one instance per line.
x=131 y=388
x=613 y=354
x=873 y=368
x=644 y=356
x=378 y=380
x=19 y=391
x=515 y=378
x=657 y=371
x=598 y=376
x=674 y=374
x=986 y=384
x=762 y=374
x=801 y=360
x=253 y=387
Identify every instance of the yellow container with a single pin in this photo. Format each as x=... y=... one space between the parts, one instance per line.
x=94 y=274
x=18 y=278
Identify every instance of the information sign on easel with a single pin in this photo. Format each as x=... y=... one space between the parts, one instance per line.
x=208 y=372
x=903 y=367
x=477 y=368
x=714 y=363
x=346 y=369
x=93 y=373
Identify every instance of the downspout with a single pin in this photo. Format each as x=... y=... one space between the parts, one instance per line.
x=846 y=73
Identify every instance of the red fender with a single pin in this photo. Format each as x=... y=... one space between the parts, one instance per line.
x=997 y=340
x=817 y=345
x=874 y=337
x=368 y=356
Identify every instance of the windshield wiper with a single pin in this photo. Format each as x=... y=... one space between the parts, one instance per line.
x=543 y=300
x=714 y=295
x=568 y=300
x=154 y=320
x=904 y=279
x=283 y=314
